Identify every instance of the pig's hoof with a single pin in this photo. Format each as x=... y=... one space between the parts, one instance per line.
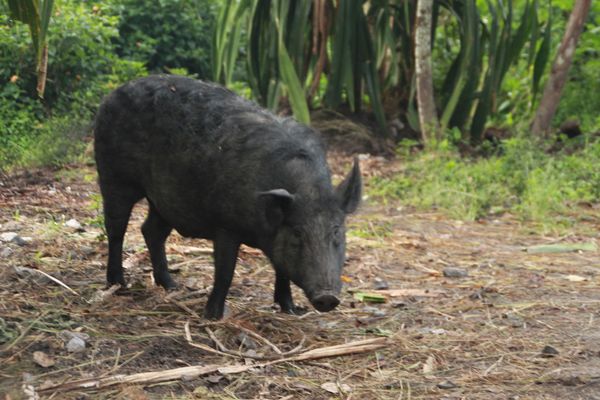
x=294 y=310
x=111 y=283
x=169 y=286
x=213 y=313
x=166 y=282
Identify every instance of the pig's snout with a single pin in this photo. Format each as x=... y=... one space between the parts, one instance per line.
x=325 y=302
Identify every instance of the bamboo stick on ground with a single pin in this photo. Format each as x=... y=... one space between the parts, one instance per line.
x=360 y=346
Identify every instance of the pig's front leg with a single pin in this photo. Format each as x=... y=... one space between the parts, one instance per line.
x=226 y=246
x=283 y=296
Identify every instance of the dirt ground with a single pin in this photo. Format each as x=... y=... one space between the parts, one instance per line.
x=468 y=312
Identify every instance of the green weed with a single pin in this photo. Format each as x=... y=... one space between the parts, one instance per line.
x=372 y=229
x=523 y=179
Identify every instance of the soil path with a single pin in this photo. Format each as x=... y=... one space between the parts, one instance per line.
x=470 y=314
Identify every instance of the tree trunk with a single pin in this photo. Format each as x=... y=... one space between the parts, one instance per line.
x=42 y=71
x=560 y=69
x=428 y=120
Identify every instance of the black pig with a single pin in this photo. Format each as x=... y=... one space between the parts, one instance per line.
x=213 y=165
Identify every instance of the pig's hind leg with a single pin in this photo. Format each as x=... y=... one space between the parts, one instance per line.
x=156 y=230
x=118 y=203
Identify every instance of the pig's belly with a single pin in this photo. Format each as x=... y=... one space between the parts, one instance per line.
x=187 y=220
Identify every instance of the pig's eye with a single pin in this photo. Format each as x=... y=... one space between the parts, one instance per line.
x=337 y=235
x=296 y=237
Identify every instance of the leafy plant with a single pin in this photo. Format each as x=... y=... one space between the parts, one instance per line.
x=166 y=33
x=522 y=179
x=365 y=51
x=82 y=67
x=36 y=14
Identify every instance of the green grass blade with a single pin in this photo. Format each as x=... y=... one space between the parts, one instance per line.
x=535 y=30
x=286 y=67
x=342 y=60
x=219 y=38
x=295 y=91
x=468 y=37
x=541 y=59
x=562 y=248
x=28 y=12
x=45 y=17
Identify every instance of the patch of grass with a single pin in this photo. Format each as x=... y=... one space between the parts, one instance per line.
x=96 y=207
x=522 y=179
x=55 y=141
x=59 y=141
x=371 y=229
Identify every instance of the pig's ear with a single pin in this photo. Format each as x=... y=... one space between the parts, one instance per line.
x=349 y=191
x=276 y=203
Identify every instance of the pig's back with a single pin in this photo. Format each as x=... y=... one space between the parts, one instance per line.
x=199 y=152
x=149 y=118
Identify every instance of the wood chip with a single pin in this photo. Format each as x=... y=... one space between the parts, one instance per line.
x=42 y=359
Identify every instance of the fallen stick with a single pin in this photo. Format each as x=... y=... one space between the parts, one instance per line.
x=195 y=371
x=255 y=335
x=53 y=279
x=102 y=295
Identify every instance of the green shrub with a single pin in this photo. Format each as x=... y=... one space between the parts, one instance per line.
x=166 y=33
x=57 y=141
x=82 y=68
x=80 y=50
x=19 y=115
x=523 y=179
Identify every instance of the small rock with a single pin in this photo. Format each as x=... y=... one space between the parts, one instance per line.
x=452 y=272
x=42 y=359
x=73 y=224
x=246 y=341
x=370 y=309
x=380 y=284
x=446 y=385
x=68 y=335
x=8 y=236
x=549 y=351
x=214 y=378
x=6 y=252
x=87 y=251
x=398 y=304
x=28 y=377
x=76 y=345
x=379 y=313
x=30 y=273
x=11 y=226
x=191 y=283
x=514 y=320
x=327 y=324
x=433 y=331
x=14 y=238
x=22 y=241
x=252 y=353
